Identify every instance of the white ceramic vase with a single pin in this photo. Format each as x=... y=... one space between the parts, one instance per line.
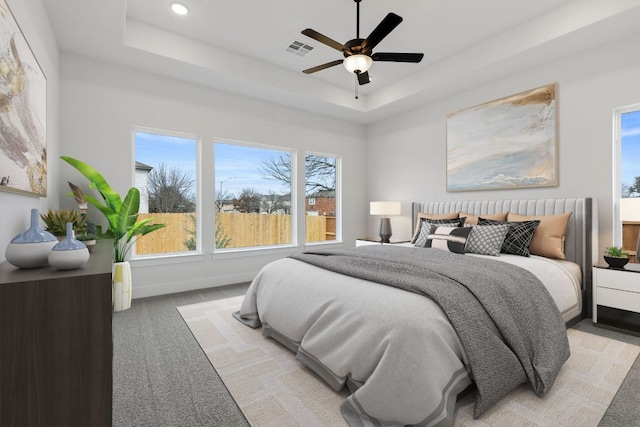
x=69 y=253
x=121 y=280
x=30 y=249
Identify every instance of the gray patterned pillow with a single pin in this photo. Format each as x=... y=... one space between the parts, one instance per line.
x=486 y=239
x=518 y=237
x=425 y=228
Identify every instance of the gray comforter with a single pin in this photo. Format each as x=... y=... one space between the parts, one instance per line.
x=509 y=329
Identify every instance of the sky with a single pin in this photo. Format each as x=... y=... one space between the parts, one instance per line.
x=630 y=164
x=236 y=167
x=153 y=149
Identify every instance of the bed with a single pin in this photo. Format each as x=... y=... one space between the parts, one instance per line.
x=359 y=317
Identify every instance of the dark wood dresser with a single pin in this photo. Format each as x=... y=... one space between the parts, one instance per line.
x=56 y=344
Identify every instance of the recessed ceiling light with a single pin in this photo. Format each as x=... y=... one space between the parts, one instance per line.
x=179 y=8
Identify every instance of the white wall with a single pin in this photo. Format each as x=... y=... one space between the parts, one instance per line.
x=100 y=105
x=406 y=155
x=15 y=208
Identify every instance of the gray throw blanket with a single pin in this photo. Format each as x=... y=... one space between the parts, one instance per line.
x=509 y=325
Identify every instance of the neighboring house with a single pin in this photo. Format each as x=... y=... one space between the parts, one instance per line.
x=322 y=202
x=141 y=177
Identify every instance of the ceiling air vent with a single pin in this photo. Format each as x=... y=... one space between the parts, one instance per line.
x=298 y=48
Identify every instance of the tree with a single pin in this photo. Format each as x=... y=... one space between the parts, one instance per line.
x=221 y=199
x=320 y=172
x=222 y=240
x=169 y=190
x=635 y=188
x=190 y=243
x=247 y=201
x=273 y=203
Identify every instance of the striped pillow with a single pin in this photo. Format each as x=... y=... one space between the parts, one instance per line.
x=425 y=228
x=452 y=239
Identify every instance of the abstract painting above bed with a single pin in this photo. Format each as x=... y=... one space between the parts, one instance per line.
x=506 y=143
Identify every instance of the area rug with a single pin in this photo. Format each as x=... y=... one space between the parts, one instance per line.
x=273 y=389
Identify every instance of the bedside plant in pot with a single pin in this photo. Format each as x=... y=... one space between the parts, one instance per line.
x=615 y=257
x=123 y=226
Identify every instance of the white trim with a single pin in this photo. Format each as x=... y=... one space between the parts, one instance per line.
x=167 y=257
x=617 y=165
x=338 y=190
x=293 y=194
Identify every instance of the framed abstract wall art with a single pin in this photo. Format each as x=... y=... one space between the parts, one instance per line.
x=504 y=144
x=23 y=112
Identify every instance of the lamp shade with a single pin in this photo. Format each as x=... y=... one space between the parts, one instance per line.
x=385 y=208
x=357 y=63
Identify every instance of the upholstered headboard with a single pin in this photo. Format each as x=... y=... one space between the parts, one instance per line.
x=579 y=243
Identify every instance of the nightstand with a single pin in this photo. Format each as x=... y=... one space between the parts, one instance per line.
x=616 y=298
x=376 y=241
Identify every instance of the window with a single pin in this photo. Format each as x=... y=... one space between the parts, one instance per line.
x=320 y=194
x=253 y=195
x=165 y=174
x=627 y=177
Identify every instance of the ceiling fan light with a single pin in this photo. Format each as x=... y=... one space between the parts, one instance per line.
x=357 y=63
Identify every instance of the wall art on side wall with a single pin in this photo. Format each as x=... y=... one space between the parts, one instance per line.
x=23 y=112
x=506 y=143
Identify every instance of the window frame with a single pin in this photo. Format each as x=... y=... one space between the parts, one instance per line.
x=184 y=256
x=617 y=169
x=338 y=210
x=294 y=196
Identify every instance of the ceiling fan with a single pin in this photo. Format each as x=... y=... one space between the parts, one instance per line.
x=358 y=53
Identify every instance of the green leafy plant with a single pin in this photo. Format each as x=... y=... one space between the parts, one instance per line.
x=56 y=221
x=121 y=215
x=615 y=252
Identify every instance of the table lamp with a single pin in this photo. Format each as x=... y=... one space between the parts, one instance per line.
x=385 y=209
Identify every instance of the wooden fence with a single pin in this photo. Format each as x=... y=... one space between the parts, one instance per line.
x=630 y=231
x=243 y=230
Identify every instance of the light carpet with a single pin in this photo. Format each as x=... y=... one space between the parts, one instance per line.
x=273 y=389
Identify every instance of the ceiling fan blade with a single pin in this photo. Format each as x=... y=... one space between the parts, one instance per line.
x=323 y=66
x=363 y=78
x=324 y=39
x=383 y=29
x=397 y=57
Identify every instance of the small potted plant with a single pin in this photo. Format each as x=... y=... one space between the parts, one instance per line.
x=615 y=257
x=88 y=236
x=56 y=221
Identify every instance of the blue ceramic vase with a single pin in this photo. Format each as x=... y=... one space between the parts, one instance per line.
x=69 y=253
x=30 y=249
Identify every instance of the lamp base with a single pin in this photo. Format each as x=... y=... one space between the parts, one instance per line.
x=385 y=230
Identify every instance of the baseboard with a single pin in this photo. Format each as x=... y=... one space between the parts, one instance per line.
x=191 y=285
